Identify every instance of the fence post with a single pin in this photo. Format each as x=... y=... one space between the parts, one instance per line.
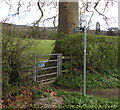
x=59 y=64
x=35 y=69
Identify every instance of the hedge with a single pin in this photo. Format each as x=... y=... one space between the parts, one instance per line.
x=102 y=51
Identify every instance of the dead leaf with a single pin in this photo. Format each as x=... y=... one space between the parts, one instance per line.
x=53 y=94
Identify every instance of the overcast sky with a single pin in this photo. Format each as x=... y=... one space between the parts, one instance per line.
x=29 y=15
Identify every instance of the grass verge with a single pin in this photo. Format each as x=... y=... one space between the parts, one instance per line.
x=109 y=79
x=38 y=96
x=77 y=100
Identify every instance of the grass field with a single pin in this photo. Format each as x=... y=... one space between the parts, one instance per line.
x=42 y=46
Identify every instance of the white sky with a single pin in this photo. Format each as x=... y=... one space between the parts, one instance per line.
x=33 y=14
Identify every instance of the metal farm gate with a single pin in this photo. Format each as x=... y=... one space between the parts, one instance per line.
x=47 y=67
x=42 y=67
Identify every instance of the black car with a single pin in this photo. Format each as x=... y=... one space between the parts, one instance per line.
x=113 y=31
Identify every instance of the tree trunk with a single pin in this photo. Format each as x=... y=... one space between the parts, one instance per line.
x=119 y=52
x=68 y=17
x=119 y=35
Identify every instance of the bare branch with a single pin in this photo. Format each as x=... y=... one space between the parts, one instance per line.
x=18 y=8
x=91 y=14
x=29 y=5
x=10 y=7
x=104 y=17
x=53 y=17
x=38 y=4
x=81 y=13
x=106 y=5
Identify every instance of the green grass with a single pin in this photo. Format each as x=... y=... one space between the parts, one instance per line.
x=108 y=79
x=34 y=45
x=42 y=46
x=37 y=47
x=77 y=100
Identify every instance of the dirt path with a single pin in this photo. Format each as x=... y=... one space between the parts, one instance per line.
x=106 y=93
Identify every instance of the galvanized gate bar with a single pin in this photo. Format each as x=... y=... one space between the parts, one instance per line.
x=36 y=53
x=50 y=61
x=46 y=80
x=47 y=74
x=47 y=68
x=49 y=54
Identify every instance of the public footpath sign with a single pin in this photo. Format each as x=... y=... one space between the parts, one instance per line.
x=85 y=45
x=41 y=64
x=83 y=29
x=79 y=29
